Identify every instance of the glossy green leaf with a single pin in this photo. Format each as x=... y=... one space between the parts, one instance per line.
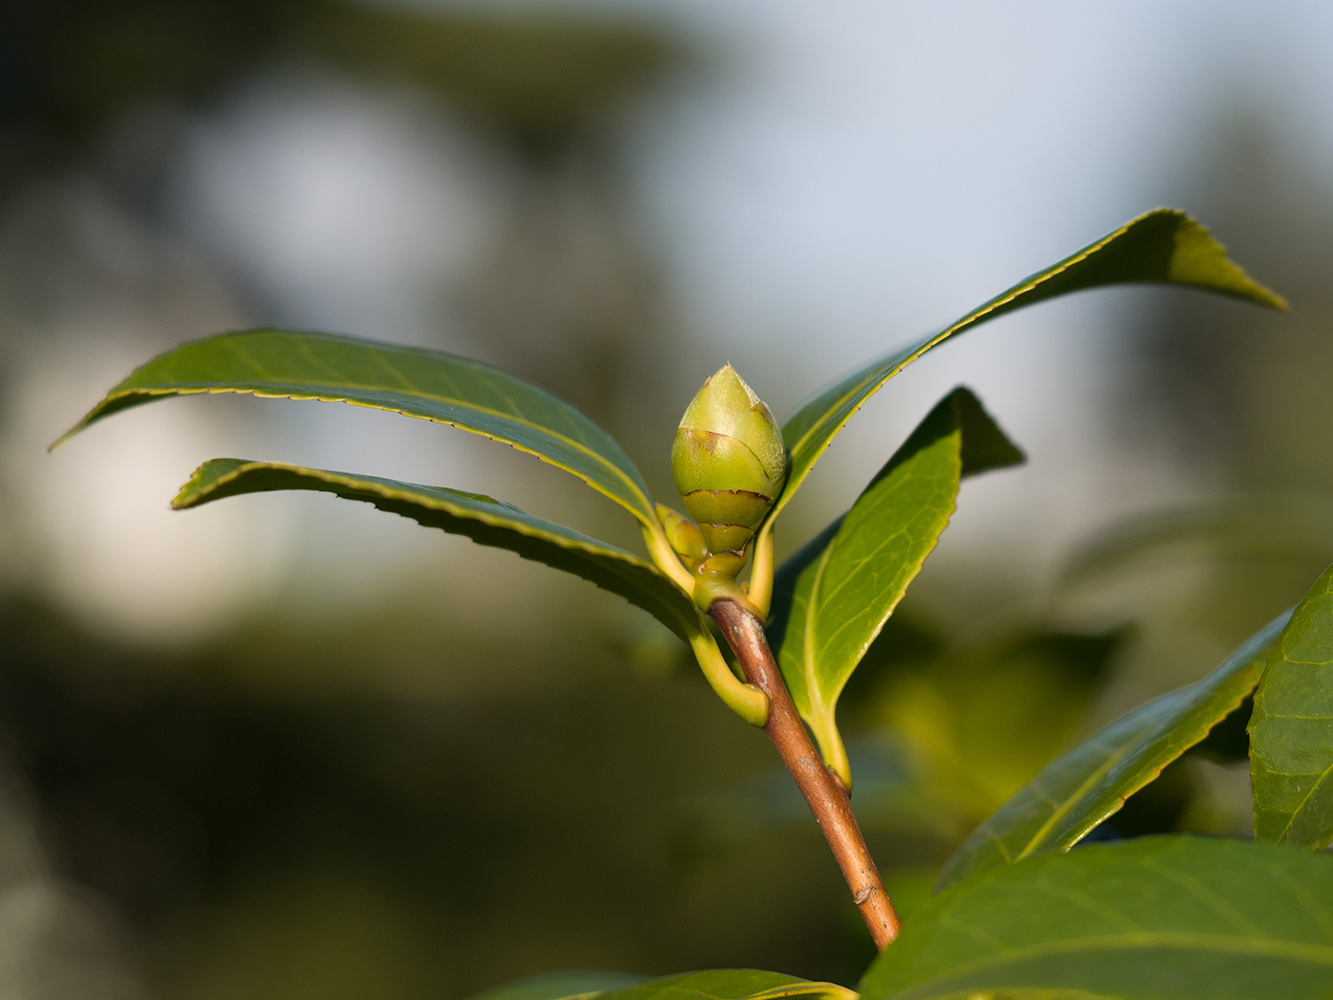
x=729 y=984
x=484 y=520
x=1158 y=918
x=1163 y=246
x=1291 y=730
x=1079 y=790
x=560 y=986
x=430 y=385
x=832 y=598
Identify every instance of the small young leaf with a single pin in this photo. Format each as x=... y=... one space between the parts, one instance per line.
x=1158 y=918
x=560 y=986
x=484 y=520
x=730 y=984
x=1057 y=808
x=1291 y=730
x=430 y=385
x=832 y=598
x=1161 y=246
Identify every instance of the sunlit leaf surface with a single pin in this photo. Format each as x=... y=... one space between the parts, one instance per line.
x=832 y=598
x=1162 y=246
x=484 y=520
x=430 y=385
x=1077 y=791
x=1291 y=730
x=1158 y=918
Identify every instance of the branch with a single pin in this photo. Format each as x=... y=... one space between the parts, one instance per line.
x=824 y=792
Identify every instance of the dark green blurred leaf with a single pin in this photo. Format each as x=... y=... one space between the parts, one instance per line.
x=431 y=385
x=560 y=985
x=540 y=76
x=1294 y=526
x=1073 y=794
x=832 y=598
x=484 y=520
x=890 y=797
x=905 y=640
x=1160 y=918
x=1163 y=246
x=1080 y=658
x=1291 y=731
x=72 y=66
x=729 y=984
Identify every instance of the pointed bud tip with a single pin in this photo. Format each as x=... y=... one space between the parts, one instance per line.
x=731 y=377
x=720 y=403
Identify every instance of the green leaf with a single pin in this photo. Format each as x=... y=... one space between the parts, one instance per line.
x=833 y=597
x=484 y=520
x=1077 y=791
x=1291 y=730
x=1158 y=918
x=1160 y=246
x=560 y=986
x=729 y=984
x=430 y=385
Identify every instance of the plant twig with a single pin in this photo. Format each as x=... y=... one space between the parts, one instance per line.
x=824 y=792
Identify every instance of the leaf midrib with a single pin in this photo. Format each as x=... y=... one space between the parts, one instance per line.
x=1141 y=739
x=1323 y=775
x=1305 y=800
x=819 y=601
x=868 y=556
x=1062 y=809
x=812 y=686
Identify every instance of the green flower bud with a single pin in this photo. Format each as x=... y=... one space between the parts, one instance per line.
x=684 y=537
x=728 y=461
x=724 y=565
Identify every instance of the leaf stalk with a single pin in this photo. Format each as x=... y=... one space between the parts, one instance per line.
x=746 y=700
x=761 y=573
x=665 y=558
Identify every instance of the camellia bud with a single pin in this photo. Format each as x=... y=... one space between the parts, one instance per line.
x=684 y=537
x=728 y=460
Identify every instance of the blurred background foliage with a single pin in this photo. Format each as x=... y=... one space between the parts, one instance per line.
x=279 y=748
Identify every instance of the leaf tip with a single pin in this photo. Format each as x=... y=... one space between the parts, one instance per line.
x=87 y=419
x=985 y=446
x=1199 y=258
x=204 y=482
x=50 y=448
x=189 y=494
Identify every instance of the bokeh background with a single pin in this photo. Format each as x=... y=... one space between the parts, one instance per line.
x=291 y=747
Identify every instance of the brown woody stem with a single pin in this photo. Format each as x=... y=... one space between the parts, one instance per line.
x=823 y=791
